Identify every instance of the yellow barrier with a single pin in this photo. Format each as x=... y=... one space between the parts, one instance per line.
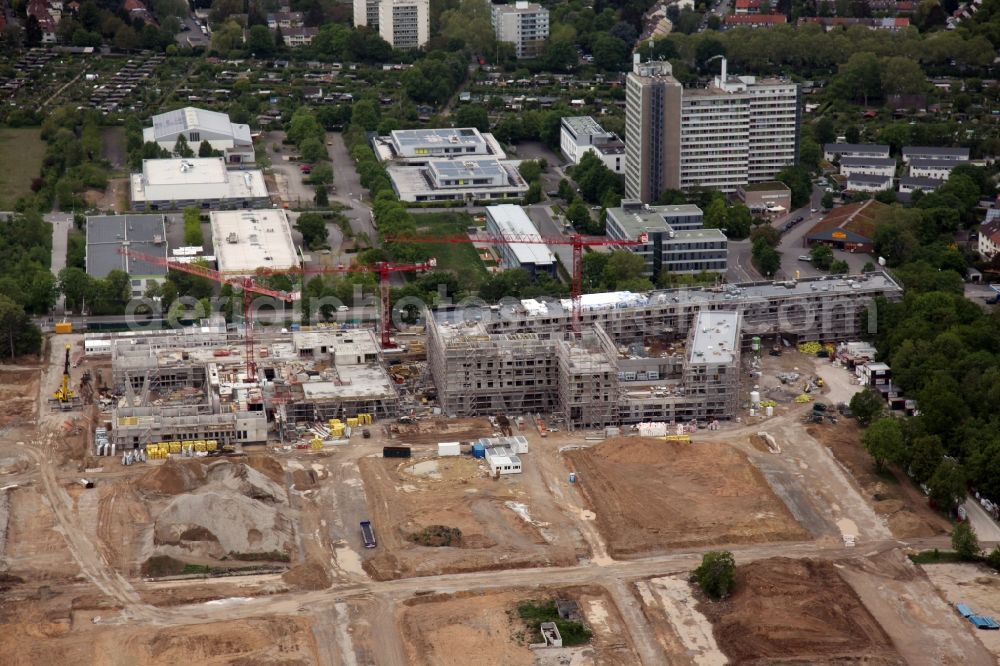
x=677 y=438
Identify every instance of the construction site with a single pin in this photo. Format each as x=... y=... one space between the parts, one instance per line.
x=315 y=497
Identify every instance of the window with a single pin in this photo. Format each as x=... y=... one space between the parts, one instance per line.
x=194 y=136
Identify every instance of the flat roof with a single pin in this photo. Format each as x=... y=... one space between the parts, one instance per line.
x=356 y=381
x=468 y=168
x=716 y=335
x=107 y=234
x=195 y=179
x=464 y=136
x=511 y=220
x=246 y=240
x=769 y=186
x=634 y=221
x=698 y=234
x=583 y=125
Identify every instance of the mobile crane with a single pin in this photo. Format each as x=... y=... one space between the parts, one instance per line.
x=65 y=398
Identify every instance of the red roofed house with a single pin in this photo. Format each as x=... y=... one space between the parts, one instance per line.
x=40 y=10
x=754 y=20
x=747 y=7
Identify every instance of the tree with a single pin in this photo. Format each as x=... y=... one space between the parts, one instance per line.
x=821 y=256
x=126 y=38
x=227 y=37
x=312 y=226
x=715 y=214
x=964 y=541
x=578 y=215
x=312 y=150
x=205 y=149
x=321 y=198
x=867 y=405
x=947 y=485
x=767 y=233
x=926 y=453
x=717 y=573
x=610 y=53
x=18 y=335
x=884 y=441
x=798 y=180
x=530 y=170
x=259 y=41
x=365 y=114
x=827 y=200
x=738 y=221
x=824 y=131
x=181 y=147
x=860 y=77
x=472 y=115
x=192 y=228
x=322 y=174
x=623 y=266
x=765 y=258
x=902 y=76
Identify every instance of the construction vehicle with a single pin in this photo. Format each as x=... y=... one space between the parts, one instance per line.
x=65 y=398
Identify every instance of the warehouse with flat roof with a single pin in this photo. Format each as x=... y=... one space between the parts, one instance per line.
x=508 y=220
x=245 y=240
x=108 y=235
x=172 y=184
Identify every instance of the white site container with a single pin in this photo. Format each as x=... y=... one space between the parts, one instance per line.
x=449 y=449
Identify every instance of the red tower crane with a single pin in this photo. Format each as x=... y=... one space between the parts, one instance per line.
x=577 y=242
x=383 y=269
x=246 y=283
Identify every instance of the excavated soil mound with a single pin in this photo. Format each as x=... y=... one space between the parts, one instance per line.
x=267 y=466
x=649 y=494
x=173 y=478
x=223 y=524
x=309 y=576
x=304 y=479
x=797 y=611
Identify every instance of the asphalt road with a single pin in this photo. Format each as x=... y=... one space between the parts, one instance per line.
x=193 y=36
x=985 y=527
x=348 y=190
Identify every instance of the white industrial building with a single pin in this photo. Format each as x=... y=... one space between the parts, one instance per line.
x=833 y=151
x=579 y=135
x=418 y=146
x=405 y=24
x=197 y=125
x=508 y=220
x=171 y=184
x=502 y=460
x=458 y=180
x=245 y=240
x=523 y=24
x=676 y=241
x=868 y=166
x=738 y=130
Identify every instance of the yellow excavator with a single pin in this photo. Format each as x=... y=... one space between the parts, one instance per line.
x=65 y=397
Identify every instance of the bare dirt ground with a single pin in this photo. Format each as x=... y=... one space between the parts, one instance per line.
x=473 y=629
x=53 y=639
x=924 y=629
x=501 y=525
x=974 y=585
x=798 y=611
x=893 y=497
x=432 y=431
x=649 y=494
x=18 y=389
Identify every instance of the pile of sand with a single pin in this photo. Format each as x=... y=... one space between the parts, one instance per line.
x=221 y=523
x=308 y=576
x=796 y=610
x=635 y=450
x=218 y=507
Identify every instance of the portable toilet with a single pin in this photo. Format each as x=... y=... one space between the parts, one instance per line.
x=478 y=450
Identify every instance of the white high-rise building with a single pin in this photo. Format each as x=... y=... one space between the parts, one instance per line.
x=523 y=24
x=366 y=13
x=406 y=24
x=737 y=130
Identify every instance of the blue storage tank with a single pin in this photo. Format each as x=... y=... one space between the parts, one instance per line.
x=296 y=327
x=478 y=450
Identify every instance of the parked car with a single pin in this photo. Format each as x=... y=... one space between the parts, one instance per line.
x=805 y=257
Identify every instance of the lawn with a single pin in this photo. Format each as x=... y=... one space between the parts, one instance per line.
x=25 y=147
x=459 y=257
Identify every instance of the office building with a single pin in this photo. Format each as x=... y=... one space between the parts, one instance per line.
x=579 y=135
x=457 y=180
x=508 y=220
x=405 y=24
x=682 y=247
x=417 y=146
x=523 y=24
x=245 y=240
x=735 y=131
